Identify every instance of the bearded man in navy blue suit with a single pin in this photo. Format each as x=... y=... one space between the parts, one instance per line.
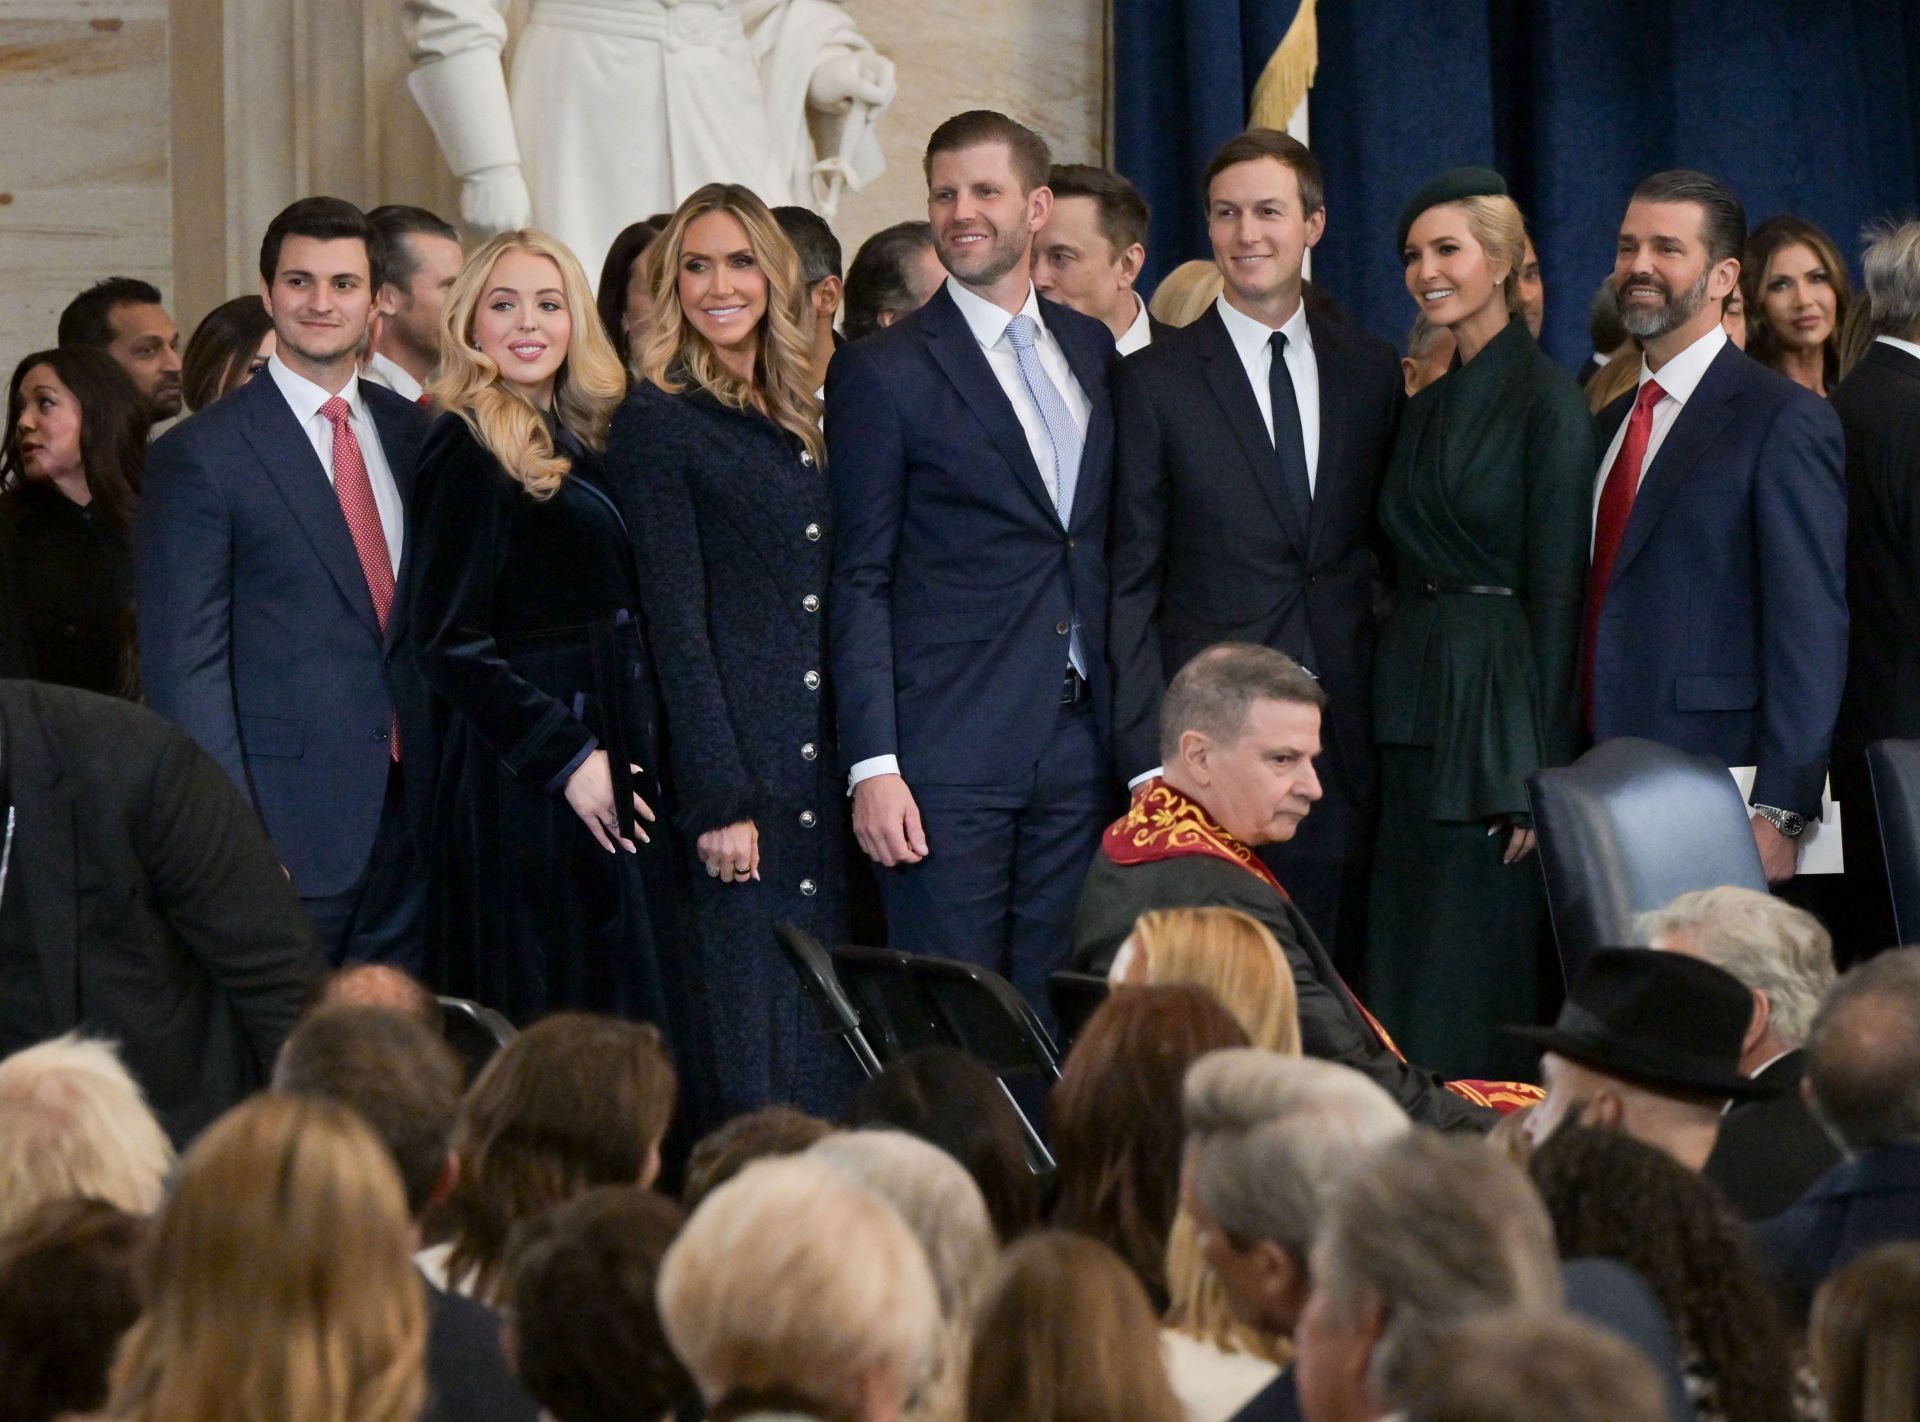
x=970 y=451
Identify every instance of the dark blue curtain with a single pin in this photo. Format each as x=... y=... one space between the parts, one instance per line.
x=1802 y=106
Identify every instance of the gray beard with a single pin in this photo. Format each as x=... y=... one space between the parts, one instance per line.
x=1650 y=325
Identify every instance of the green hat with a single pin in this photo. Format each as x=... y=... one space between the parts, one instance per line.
x=1450 y=186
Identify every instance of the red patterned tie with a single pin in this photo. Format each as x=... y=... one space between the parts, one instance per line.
x=355 y=492
x=1610 y=525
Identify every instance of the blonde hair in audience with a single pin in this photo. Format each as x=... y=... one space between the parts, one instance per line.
x=590 y=382
x=792 y=1278
x=1616 y=378
x=74 y=1124
x=1865 y=1336
x=1185 y=293
x=674 y=352
x=1235 y=957
x=280 y=1279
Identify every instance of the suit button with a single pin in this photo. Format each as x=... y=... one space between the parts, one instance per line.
x=807 y=820
x=809 y=751
x=808 y=888
x=806 y=459
x=812 y=679
x=381 y=734
x=813 y=533
x=810 y=603
x=1061 y=628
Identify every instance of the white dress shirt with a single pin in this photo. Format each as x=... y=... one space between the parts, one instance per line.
x=1139 y=335
x=1678 y=378
x=390 y=373
x=306 y=398
x=989 y=323
x=1908 y=346
x=1252 y=340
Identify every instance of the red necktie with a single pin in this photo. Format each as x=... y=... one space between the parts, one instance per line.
x=355 y=491
x=1610 y=524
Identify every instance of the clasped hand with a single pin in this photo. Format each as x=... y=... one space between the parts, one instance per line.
x=590 y=793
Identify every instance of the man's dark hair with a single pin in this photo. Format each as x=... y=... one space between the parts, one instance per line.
x=1723 y=221
x=392 y=225
x=587 y=1331
x=87 y=321
x=819 y=249
x=1123 y=212
x=1031 y=156
x=1863 y=1054
x=877 y=280
x=1213 y=693
x=324 y=219
x=732 y=1146
x=610 y=296
x=403 y=1081
x=1258 y=143
x=68 y=1292
x=1604 y=327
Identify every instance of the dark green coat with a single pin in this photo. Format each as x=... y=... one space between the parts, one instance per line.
x=1490 y=485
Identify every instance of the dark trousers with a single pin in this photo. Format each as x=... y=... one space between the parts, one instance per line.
x=382 y=918
x=1004 y=864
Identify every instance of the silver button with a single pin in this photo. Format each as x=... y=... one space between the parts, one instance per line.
x=812 y=679
x=810 y=603
x=806 y=819
x=809 y=888
x=813 y=533
x=806 y=458
x=1061 y=628
x=809 y=751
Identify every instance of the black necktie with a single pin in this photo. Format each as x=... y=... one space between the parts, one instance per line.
x=1289 y=440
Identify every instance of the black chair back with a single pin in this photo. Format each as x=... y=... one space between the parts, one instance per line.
x=838 y=1016
x=1894 y=769
x=474 y=1032
x=1074 y=997
x=1629 y=826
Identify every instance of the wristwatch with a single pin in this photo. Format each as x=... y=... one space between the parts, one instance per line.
x=1790 y=825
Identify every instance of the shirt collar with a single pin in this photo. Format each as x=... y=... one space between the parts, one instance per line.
x=1249 y=335
x=306 y=398
x=989 y=322
x=394 y=376
x=1910 y=347
x=1139 y=333
x=1682 y=375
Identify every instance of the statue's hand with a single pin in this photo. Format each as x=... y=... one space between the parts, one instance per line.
x=847 y=78
x=495 y=200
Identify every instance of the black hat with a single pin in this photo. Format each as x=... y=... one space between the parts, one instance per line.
x=1665 y=1020
x=1450 y=186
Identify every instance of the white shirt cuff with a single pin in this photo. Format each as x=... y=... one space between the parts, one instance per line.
x=1143 y=777
x=873 y=765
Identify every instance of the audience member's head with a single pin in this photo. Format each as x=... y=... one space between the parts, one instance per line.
x=735 y=1144
x=1065 y=1330
x=1115 y=1114
x=76 y=425
x=948 y=1098
x=1239 y=731
x=572 y=1102
x=624 y=295
x=228 y=348
x=1649 y=1044
x=1463 y=245
x=1781 y=954
x=1890 y=264
x=1795 y=284
x=1865 y=1336
x=124 y=317
x=1089 y=254
x=893 y=274
x=319 y=272
x=73 y=1123
x=1430 y=350
x=1612 y=1197
x=401 y=1078
x=987 y=195
x=1516 y=1366
x=1185 y=293
x=820 y=276
x=1266 y=206
x=794 y=1289
x=1605 y=331
x=1231 y=954
x=588 y=1344
x=1676 y=257
x=1733 y=317
x=382 y=985
x=418 y=255
x=1270 y=1142
x=67 y=1295
x=280 y=1281
x=1430 y=1231
x=1863 y=1055
x=1530 y=296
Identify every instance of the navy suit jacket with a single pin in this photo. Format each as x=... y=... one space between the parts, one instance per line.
x=954 y=583
x=1724 y=630
x=258 y=635
x=1869 y=1200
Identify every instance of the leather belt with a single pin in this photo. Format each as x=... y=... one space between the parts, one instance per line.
x=1433 y=587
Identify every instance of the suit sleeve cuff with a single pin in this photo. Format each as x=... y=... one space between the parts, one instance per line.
x=565 y=773
x=873 y=765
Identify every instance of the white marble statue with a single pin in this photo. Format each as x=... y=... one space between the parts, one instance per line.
x=619 y=108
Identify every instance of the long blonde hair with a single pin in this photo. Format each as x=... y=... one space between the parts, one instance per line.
x=782 y=384
x=280 y=1279
x=589 y=384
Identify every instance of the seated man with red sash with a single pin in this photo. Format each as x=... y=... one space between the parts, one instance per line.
x=1239 y=729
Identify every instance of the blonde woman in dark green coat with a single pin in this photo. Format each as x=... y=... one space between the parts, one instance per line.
x=1487 y=507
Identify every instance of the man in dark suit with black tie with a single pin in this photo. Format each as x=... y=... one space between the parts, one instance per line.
x=1716 y=604
x=970 y=450
x=269 y=543
x=1249 y=454
x=1090 y=253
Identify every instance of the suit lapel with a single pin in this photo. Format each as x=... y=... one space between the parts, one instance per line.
x=45 y=851
x=1330 y=482
x=1700 y=421
x=1227 y=378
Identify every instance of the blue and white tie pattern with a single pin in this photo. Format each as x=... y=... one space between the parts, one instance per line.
x=1063 y=433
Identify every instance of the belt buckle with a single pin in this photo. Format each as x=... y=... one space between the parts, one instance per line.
x=1072 y=688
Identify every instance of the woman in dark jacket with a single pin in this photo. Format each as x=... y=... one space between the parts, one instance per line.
x=716 y=457
x=546 y=892
x=1487 y=507
x=76 y=444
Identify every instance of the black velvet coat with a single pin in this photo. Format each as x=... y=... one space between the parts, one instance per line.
x=729 y=514
x=526 y=617
x=71 y=591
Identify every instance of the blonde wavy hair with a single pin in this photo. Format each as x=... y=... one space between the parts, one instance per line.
x=280 y=1279
x=782 y=383
x=587 y=387
x=1496 y=224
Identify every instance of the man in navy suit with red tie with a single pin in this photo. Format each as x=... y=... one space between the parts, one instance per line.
x=970 y=450
x=1716 y=600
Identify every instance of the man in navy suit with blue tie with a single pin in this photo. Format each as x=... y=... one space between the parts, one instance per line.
x=970 y=449
x=1716 y=600
x=269 y=542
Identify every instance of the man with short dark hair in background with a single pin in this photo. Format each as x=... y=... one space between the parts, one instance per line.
x=892 y=275
x=419 y=256
x=819 y=252
x=1604 y=330
x=124 y=317
x=1090 y=253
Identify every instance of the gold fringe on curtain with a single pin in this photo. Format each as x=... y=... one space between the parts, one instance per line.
x=1289 y=72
